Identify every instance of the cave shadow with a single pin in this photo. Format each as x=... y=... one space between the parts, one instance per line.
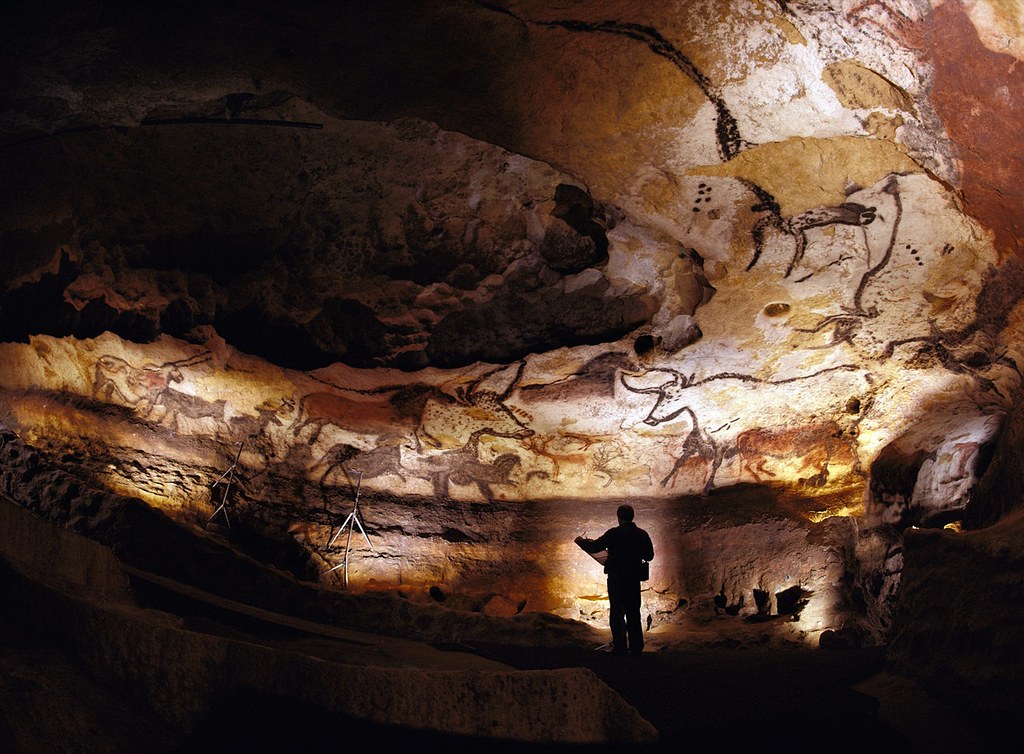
x=257 y=722
x=732 y=700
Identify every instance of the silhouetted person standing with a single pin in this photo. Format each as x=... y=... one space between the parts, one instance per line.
x=628 y=547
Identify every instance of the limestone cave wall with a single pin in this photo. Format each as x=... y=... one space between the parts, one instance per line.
x=496 y=267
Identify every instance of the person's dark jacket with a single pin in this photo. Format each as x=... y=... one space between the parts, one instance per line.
x=627 y=545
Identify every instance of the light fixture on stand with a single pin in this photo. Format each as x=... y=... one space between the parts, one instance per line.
x=351 y=521
x=227 y=479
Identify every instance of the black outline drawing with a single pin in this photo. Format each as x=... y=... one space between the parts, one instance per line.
x=847 y=213
x=727 y=131
x=673 y=389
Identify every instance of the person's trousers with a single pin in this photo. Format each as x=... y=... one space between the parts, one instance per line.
x=624 y=614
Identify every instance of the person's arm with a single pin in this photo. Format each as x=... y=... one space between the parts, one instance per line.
x=592 y=545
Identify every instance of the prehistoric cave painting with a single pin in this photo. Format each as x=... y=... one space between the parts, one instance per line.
x=464 y=467
x=149 y=391
x=892 y=21
x=727 y=131
x=383 y=460
x=322 y=409
x=444 y=427
x=138 y=388
x=951 y=349
x=602 y=455
x=173 y=406
x=962 y=455
x=560 y=449
x=614 y=461
x=699 y=450
x=704 y=197
x=672 y=398
x=268 y=413
x=436 y=417
x=991 y=314
x=892 y=188
x=451 y=419
x=848 y=213
x=815 y=446
x=254 y=430
x=594 y=379
x=846 y=325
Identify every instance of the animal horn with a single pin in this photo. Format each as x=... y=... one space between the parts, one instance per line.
x=516 y=377
x=193 y=360
x=676 y=376
x=631 y=388
x=658 y=389
x=503 y=384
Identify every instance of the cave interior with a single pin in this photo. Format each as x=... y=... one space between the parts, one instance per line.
x=325 y=327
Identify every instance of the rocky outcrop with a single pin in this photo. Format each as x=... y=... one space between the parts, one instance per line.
x=371 y=244
x=959 y=618
x=998 y=491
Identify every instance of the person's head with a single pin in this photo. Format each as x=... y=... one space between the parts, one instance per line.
x=624 y=514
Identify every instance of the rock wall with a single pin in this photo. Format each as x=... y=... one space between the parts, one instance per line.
x=519 y=263
x=716 y=244
x=959 y=619
x=426 y=563
x=999 y=490
x=803 y=384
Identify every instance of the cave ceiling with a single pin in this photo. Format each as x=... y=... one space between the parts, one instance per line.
x=514 y=251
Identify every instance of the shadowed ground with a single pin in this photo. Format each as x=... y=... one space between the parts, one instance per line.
x=726 y=700
x=709 y=700
x=720 y=699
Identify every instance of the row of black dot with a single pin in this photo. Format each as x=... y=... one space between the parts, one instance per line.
x=914 y=253
x=703 y=195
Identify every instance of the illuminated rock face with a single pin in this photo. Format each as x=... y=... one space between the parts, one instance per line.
x=603 y=253
x=792 y=351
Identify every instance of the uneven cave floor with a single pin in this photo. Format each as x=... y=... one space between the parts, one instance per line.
x=720 y=700
x=732 y=697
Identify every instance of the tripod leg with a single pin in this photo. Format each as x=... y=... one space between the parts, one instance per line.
x=344 y=562
x=331 y=542
x=340 y=529
x=365 y=535
x=220 y=509
x=348 y=544
x=333 y=568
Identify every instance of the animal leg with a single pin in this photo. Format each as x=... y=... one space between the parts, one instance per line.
x=798 y=253
x=440 y=480
x=485 y=490
x=671 y=476
x=317 y=428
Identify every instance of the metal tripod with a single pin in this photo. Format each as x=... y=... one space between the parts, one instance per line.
x=351 y=521
x=227 y=478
